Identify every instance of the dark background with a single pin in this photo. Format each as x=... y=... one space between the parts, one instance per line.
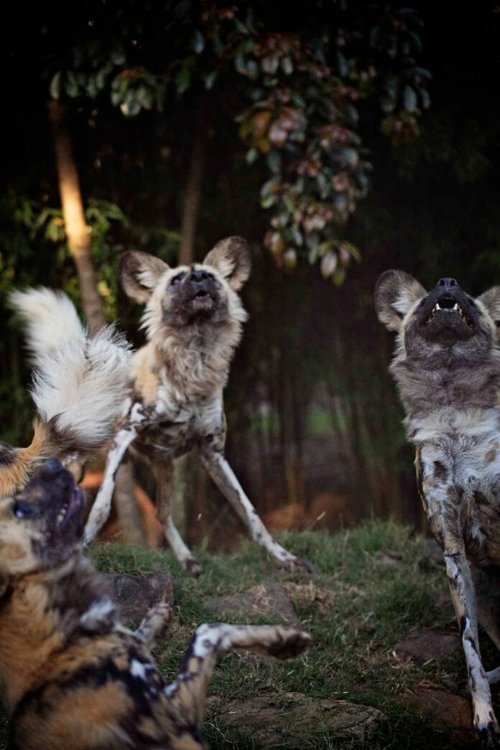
x=315 y=429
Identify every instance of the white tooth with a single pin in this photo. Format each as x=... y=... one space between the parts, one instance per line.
x=456 y=307
x=436 y=307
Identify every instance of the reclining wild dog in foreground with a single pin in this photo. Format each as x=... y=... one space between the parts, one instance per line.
x=79 y=386
x=447 y=368
x=193 y=321
x=71 y=676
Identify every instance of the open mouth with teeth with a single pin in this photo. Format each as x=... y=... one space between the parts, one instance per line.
x=202 y=294
x=71 y=512
x=203 y=301
x=448 y=306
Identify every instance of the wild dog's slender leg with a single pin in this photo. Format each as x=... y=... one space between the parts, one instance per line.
x=164 y=475
x=442 y=503
x=463 y=598
x=102 y=504
x=188 y=692
x=225 y=479
x=154 y=623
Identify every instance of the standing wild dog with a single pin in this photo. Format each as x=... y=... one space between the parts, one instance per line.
x=79 y=386
x=447 y=368
x=193 y=319
x=71 y=676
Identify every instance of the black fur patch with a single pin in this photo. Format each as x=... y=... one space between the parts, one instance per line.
x=440 y=471
x=7 y=454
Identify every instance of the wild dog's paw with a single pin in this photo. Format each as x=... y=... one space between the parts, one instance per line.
x=488 y=735
x=297 y=564
x=155 y=623
x=191 y=565
x=291 y=643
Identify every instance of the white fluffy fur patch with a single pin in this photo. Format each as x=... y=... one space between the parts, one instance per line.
x=80 y=382
x=82 y=386
x=50 y=319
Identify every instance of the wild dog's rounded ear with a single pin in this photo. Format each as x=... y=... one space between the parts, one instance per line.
x=231 y=259
x=395 y=293
x=491 y=301
x=139 y=274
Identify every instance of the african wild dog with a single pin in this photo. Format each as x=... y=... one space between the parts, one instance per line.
x=79 y=386
x=71 y=676
x=447 y=368
x=193 y=319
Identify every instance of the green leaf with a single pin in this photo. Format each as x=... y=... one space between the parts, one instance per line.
x=274 y=161
x=183 y=79
x=131 y=106
x=55 y=85
x=71 y=84
x=251 y=155
x=409 y=99
x=268 y=201
x=210 y=78
x=198 y=42
x=287 y=66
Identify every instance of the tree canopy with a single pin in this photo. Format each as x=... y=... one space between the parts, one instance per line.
x=297 y=87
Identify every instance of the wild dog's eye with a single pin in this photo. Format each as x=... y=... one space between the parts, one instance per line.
x=175 y=280
x=23 y=510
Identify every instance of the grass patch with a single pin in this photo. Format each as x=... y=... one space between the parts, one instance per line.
x=376 y=584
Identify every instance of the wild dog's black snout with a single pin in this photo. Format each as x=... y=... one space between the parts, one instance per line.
x=447 y=283
x=51 y=468
x=200 y=276
x=52 y=479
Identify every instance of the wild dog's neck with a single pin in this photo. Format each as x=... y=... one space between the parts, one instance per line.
x=190 y=365
x=425 y=387
x=38 y=615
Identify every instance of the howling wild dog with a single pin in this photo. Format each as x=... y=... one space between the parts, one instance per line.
x=193 y=319
x=79 y=386
x=447 y=368
x=71 y=676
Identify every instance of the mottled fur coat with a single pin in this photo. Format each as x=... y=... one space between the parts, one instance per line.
x=193 y=322
x=72 y=677
x=447 y=369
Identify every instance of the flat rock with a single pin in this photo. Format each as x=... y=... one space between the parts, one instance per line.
x=445 y=711
x=273 y=719
x=429 y=644
x=267 y=599
x=136 y=594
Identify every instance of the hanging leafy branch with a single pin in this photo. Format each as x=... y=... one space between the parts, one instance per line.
x=296 y=96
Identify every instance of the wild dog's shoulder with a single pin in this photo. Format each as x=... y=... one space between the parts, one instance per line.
x=77 y=598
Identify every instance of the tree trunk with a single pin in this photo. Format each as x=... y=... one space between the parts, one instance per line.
x=184 y=493
x=77 y=231
x=194 y=182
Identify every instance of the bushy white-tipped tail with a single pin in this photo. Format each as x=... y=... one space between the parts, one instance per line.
x=80 y=383
x=50 y=320
x=81 y=388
